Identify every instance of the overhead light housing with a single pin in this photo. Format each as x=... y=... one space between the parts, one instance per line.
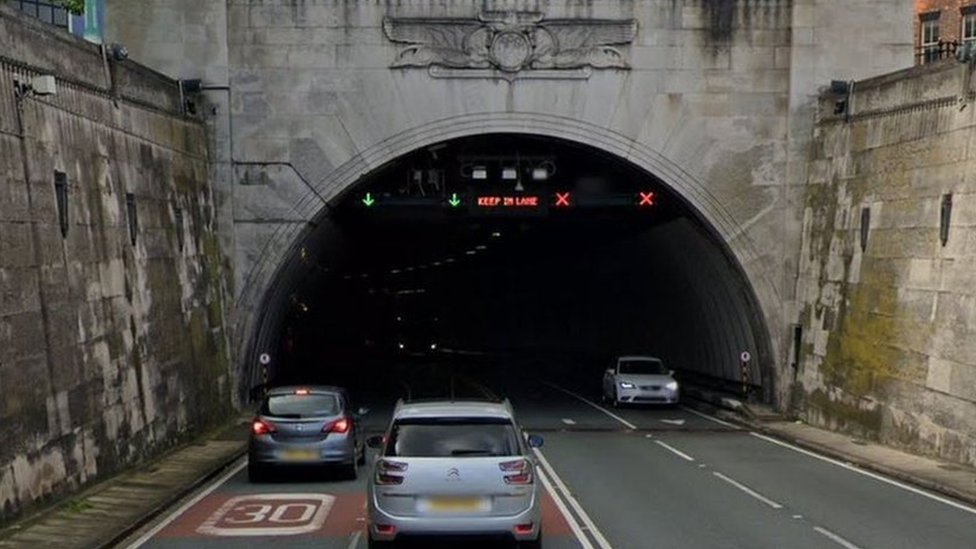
x=479 y=173
x=509 y=174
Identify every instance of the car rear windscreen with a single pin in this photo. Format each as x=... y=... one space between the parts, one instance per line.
x=297 y=406
x=454 y=437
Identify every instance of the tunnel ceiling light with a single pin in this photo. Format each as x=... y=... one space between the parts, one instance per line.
x=479 y=173
x=449 y=260
x=480 y=247
x=409 y=268
x=540 y=174
x=395 y=271
x=470 y=252
x=509 y=173
x=436 y=263
x=496 y=235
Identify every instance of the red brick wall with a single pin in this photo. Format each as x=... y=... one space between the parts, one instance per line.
x=949 y=18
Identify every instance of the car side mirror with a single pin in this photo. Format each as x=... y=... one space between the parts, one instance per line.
x=610 y=371
x=375 y=441
x=536 y=441
x=362 y=411
x=671 y=372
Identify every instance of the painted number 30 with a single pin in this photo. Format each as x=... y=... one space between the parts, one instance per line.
x=251 y=513
x=269 y=515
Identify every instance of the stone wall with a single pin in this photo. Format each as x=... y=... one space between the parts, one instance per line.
x=889 y=318
x=113 y=342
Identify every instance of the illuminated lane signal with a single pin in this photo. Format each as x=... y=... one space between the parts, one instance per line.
x=646 y=199
x=368 y=200
x=454 y=201
x=563 y=200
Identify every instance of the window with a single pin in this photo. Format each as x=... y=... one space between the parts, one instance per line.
x=453 y=437
x=133 y=215
x=929 y=38
x=61 y=196
x=50 y=12
x=968 y=33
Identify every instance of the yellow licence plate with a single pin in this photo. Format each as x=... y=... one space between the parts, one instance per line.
x=456 y=505
x=299 y=455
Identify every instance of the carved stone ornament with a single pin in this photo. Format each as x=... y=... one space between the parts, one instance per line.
x=510 y=45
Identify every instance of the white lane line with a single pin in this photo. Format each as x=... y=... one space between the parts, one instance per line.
x=710 y=418
x=837 y=539
x=875 y=476
x=748 y=490
x=568 y=421
x=675 y=451
x=354 y=540
x=593 y=404
x=570 y=519
x=587 y=521
x=186 y=506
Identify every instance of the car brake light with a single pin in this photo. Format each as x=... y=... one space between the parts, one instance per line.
x=520 y=468
x=302 y=392
x=390 y=472
x=340 y=426
x=523 y=529
x=261 y=427
x=386 y=529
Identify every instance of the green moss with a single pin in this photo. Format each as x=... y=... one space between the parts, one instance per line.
x=846 y=416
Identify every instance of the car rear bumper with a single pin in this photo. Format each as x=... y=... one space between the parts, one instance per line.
x=326 y=452
x=487 y=526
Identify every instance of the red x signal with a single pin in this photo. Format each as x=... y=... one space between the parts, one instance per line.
x=646 y=199
x=562 y=200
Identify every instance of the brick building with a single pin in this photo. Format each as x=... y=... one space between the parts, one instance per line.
x=941 y=25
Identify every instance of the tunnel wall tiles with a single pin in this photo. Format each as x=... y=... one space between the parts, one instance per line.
x=890 y=330
x=112 y=352
x=717 y=100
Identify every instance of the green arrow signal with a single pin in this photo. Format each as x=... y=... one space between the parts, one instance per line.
x=454 y=201
x=369 y=200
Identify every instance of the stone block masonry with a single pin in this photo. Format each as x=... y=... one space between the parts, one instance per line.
x=889 y=317
x=112 y=333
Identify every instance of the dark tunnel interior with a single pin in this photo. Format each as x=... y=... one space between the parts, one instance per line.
x=545 y=253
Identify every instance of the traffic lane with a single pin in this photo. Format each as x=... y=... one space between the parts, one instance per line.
x=866 y=511
x=641 y=494
x=642 y=417
x=300 y=508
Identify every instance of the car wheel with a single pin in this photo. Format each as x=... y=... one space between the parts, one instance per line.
x=352 y=470
x=256 y=473
x=532 y=544
x=373 y=544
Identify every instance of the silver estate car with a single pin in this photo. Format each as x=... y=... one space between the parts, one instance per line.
x=639 y=380
x=454 y=468
x=302 y=426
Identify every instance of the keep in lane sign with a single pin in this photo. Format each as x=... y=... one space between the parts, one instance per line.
x=269 y=515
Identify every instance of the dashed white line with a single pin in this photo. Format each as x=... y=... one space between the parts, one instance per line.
x=675 y=451
x=834 y=537
x=748 y=490
x=568 y=421
x=186 y=506
x=875 y=476
x=593 y=404
x=710 y=418
x=587 y=521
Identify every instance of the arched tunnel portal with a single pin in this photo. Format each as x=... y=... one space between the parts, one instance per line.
x=509 y=252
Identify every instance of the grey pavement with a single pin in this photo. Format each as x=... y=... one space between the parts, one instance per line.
x=99 y=515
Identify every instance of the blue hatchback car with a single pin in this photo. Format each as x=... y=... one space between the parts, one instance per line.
x=306 y=426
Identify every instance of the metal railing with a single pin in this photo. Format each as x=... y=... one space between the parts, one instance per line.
x=48 y=12
x=929 y=53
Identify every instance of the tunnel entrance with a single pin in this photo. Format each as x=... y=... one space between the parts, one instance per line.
x=533 y=250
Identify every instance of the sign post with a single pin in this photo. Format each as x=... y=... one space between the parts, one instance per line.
x=744 y=359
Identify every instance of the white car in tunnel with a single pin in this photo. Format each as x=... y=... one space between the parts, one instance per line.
x=639 y=380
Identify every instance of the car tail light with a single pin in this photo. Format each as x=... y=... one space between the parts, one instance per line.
x=302 y=392
x=261 y=427
x=520 y=471
x=390 y=472
x=340 y=426
x=386 y=529
x=523 y=529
